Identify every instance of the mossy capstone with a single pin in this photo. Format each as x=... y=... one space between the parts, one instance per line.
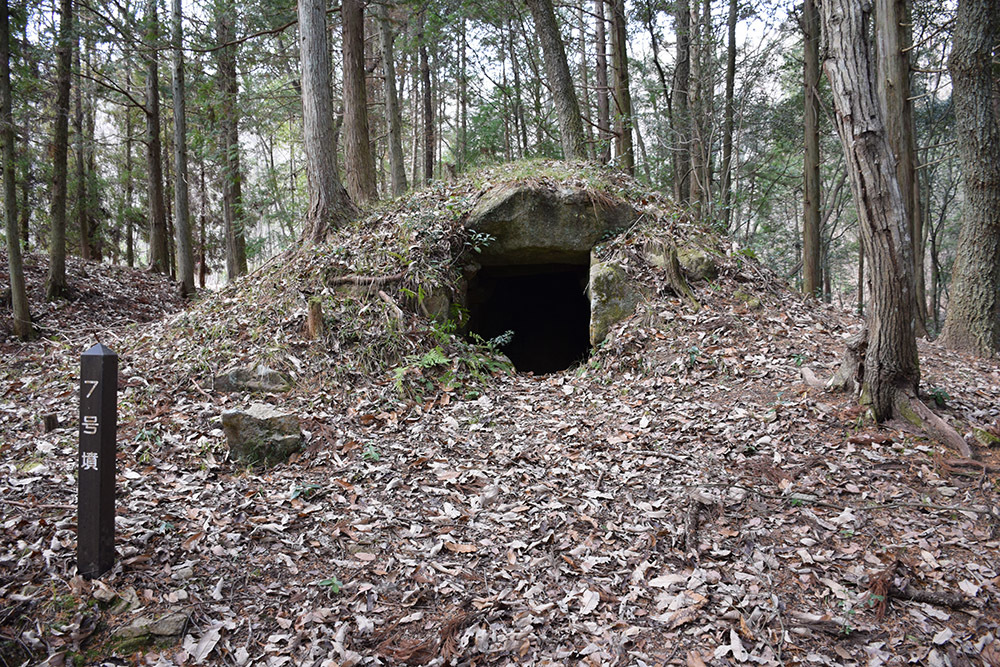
x=533 y=224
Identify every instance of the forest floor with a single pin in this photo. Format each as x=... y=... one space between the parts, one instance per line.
x=680 y=498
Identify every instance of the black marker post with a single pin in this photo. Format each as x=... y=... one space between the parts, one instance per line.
x=95 y=546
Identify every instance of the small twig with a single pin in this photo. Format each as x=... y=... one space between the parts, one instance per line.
x=198 y=387
x=950 y=600
x=396 y=310
x=17 y=503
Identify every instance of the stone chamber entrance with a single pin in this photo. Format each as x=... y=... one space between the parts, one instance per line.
x=530 y=273
x=545 y=306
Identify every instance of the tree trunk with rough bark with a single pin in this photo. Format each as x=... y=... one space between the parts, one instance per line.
x=23 y=328
x=681 y=119
x=561 y=82
x=427 y=103
x=232 y=176
x=601 y=77
x=623 y=97
x=360 y=167
x=972 y=322
x=394 y=120
x=56 y=282
x=812 y=199
x=79 y=153
x=329 y=204
x=182 y=225
x=730 y=112
x=892 y=37
x=159 y=259
x=891 y=364
x=891 y=368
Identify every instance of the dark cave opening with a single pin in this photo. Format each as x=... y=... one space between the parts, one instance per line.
x=544 y=305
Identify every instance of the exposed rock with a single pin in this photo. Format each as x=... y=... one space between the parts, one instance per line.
x=986 y=438
x=752 y=302
x=534 y=224
x=698 y=264
x=261 y=435
x=612 y=299
x=171 y=624
x=435 y=304
x=259 y=378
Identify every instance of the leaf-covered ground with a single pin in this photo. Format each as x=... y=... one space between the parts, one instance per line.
x=681 y=498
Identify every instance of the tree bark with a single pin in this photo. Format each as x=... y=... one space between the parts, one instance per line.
x=893 y=37
x=812 y=198
x=329 y=204
x=234 y=220
x=158 y=252
x=23 y=328
x=972 y=322
x=560 y=80
x=427 y=103
x=585 y=107
x=129 y=176
x=27 y=180
x=397 y=164
x=360 y=167
x=623 y=98
x=80 y=205
x=182 y=221
x=463 y=100
x=695 y=110
x=681 y=119
x=56 y=283
x=601 y=77
x=891 y=366
x=730 y=111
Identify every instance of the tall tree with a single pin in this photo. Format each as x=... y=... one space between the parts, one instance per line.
x=357 y=142
x=601 y=78
x=427 y=99
x=23 y=328
x=393 y=113
x=623 y=98
x=680 y=119
x=972 y=322
x=698 y=90
x=80 y=149
x=56 y=283
x=182 y=220
x=159 y=258
x=811 y=268
x=329 y=203
x=890 y=364
x=234 y=219
x=730 y=110
x=560 y=80
x=892 y=37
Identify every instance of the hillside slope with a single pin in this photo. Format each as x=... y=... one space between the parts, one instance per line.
x=680 y=498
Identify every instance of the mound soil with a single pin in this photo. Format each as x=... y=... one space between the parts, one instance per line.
x=682 y=497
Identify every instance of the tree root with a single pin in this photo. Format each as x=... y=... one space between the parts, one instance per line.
x=664 y=255
x=365 y=280
x=849 y=377
x=914 y=411
x=894 y=583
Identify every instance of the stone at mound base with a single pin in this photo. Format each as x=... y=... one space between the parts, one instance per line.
x=171 y=624
x=261 y=435
x=533 y=224
x=257 y=378
x=697 y=263
x=612 y=299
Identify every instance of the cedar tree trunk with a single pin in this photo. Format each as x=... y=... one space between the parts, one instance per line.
x=973 y=319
